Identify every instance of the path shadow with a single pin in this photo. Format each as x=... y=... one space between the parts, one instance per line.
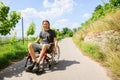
x=17 y=69
x=63 y=64
x=13 y=70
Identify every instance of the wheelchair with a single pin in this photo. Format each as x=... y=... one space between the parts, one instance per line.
x=50 y=58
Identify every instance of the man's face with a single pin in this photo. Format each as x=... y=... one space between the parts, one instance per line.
x=45 y=25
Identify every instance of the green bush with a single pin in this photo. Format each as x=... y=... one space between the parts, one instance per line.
x=3 y=62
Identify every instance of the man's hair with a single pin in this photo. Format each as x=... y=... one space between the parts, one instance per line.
x=47 y=22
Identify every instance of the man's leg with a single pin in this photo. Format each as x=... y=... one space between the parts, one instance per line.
x=32 y=54
x=36 y=68
x=42 y=53
x=31 y=51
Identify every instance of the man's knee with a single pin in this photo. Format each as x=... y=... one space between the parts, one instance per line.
x=44 y=47
x=29 y=45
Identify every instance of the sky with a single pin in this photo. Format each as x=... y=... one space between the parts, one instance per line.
x=60 y=13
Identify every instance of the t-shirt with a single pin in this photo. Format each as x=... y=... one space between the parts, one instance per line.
x=47 y=36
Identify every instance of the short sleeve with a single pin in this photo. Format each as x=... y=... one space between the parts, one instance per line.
x=54 y=34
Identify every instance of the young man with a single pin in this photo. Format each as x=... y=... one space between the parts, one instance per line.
x=47 y=36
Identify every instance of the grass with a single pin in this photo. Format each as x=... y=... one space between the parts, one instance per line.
x=110 y=59
x=90 y=50
x=113 y=62
x=11 y=52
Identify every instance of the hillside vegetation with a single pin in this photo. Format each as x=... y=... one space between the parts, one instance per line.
x=99 y=37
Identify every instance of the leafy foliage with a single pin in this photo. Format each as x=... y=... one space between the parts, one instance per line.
x=31 y=29
x=7 y=21
x=115 y=2
x=101 y=11
x=66 y=32
x=13 y=39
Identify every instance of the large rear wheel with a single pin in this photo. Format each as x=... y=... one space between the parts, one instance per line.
x=57 y=55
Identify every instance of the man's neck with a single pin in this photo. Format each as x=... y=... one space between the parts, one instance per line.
x=46 y=29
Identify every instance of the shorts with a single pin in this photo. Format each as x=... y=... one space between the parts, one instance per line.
x=37 y=46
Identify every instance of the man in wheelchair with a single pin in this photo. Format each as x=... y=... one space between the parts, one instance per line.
x=47 y=36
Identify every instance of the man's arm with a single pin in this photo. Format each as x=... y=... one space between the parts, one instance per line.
x=56 y=42
x=38 y=40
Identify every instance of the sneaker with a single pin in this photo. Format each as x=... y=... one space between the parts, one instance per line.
x=31 y=66
x=36 y=68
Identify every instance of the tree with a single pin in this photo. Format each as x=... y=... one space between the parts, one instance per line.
x=58 y=33
x=115 y=2
x=74 y=30
x=67 y=32
x=7 y=20
x=64 y=30
x=31 y=29
x=98 y=8
x=13 y=39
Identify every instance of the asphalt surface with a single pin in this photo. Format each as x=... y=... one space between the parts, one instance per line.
x=73 y=65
